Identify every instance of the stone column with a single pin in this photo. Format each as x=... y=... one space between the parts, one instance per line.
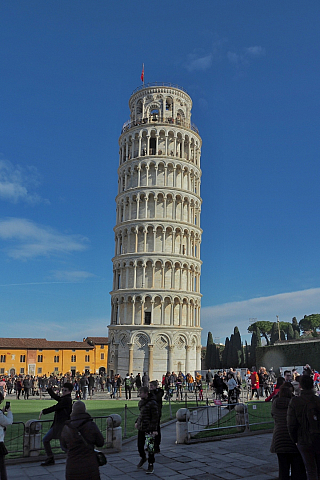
x=150 y=366
x=142 y=311
x=139 y=153
x=133 y=311
x=116 y=352
x=171 y=352
x=130 y=366
x=188 y=349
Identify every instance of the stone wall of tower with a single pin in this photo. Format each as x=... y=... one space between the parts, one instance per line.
x=155 y=298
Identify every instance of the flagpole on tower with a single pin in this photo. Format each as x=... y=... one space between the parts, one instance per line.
x=142 y=74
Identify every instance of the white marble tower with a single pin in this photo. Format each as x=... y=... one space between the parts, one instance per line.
x=155 y=318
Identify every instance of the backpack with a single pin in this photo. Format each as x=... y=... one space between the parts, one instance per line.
x=128 y=382
x=311 y=423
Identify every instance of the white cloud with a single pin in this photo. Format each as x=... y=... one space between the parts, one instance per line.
x=72 y=276
x=17 y=183
x=221 y=319
x=27 y=239
x=197 y=62
x=245 y=55
x=256 y=51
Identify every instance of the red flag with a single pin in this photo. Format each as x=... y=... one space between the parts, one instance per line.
x=142 y=74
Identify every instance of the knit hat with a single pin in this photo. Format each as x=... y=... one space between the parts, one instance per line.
x=78 y=408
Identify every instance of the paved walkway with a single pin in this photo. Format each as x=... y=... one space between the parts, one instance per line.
x=245 y=457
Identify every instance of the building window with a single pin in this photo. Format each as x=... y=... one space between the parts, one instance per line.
x=2 y=370
x=21 y=370
x=56 y=359
x=101 y=346
x=39 y=370
x=147 y=318
x=13 y=357
x=57 y=350
x=40 y=350
x=73 y=358
x=72 y=350
x=88 y=350
x=56 y=369
x=73 y=371
x=2 y=358
x=22 y=358
x=40 y=358
x=87 y=358
x=102 y=356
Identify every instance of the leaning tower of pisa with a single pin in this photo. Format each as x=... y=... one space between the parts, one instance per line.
x=155 y=299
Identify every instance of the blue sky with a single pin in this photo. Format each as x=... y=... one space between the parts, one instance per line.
x=67 y=72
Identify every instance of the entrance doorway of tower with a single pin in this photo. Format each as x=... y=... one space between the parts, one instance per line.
x=147 y=318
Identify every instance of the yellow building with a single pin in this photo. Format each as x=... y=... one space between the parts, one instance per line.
x=38 y=356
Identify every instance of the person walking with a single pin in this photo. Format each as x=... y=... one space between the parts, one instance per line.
x=82 y=461
x=303 y=420
x=6 y=418
x=128 y=386
x=157 y=393
x=282 y=445
x=146 y=424
x=62 y=410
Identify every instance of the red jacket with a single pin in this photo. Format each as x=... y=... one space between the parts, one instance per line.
x=254 y=380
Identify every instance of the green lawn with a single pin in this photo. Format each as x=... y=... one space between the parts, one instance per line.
x=259 y=419
x=24 y=410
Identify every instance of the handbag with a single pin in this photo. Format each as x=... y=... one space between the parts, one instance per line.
x=102 y=459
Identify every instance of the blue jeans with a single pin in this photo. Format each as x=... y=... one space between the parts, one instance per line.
x=46 y=443
x=311 y=459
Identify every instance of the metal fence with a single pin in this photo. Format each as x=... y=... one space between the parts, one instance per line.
x=20 y=434
x=217 y=420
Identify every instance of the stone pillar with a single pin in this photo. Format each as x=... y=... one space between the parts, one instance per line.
x=171 y=352
x=133 y=311
x=188 y=349
x=150 y=367
x=130 y=366
x=116 y=352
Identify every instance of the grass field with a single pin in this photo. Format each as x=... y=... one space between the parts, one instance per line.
x=24 y=410
x=259 y=419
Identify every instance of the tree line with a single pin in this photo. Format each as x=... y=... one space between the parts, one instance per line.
x=236 y=354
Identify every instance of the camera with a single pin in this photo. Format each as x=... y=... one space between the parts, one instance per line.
x=7 y=406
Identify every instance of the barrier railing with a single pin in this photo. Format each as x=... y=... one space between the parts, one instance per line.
x=26 y=439
x=216 y=420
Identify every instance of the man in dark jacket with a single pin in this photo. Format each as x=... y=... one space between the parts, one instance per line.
x=26 y=387
x=146 y=423
x=302 y=432
x=62 y=411
x=157 y=394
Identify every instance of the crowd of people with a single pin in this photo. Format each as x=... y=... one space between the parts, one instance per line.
x=294 y=397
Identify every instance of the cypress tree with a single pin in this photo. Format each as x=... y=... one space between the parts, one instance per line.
x=225 y=354
x=209 y=350
x=295 y=326
x=290 y=333
x=274 y=333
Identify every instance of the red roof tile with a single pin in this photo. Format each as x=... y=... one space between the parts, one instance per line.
x=41 y=343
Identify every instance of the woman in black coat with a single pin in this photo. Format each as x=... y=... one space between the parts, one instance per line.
x=82 y=462
x=282 y=445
